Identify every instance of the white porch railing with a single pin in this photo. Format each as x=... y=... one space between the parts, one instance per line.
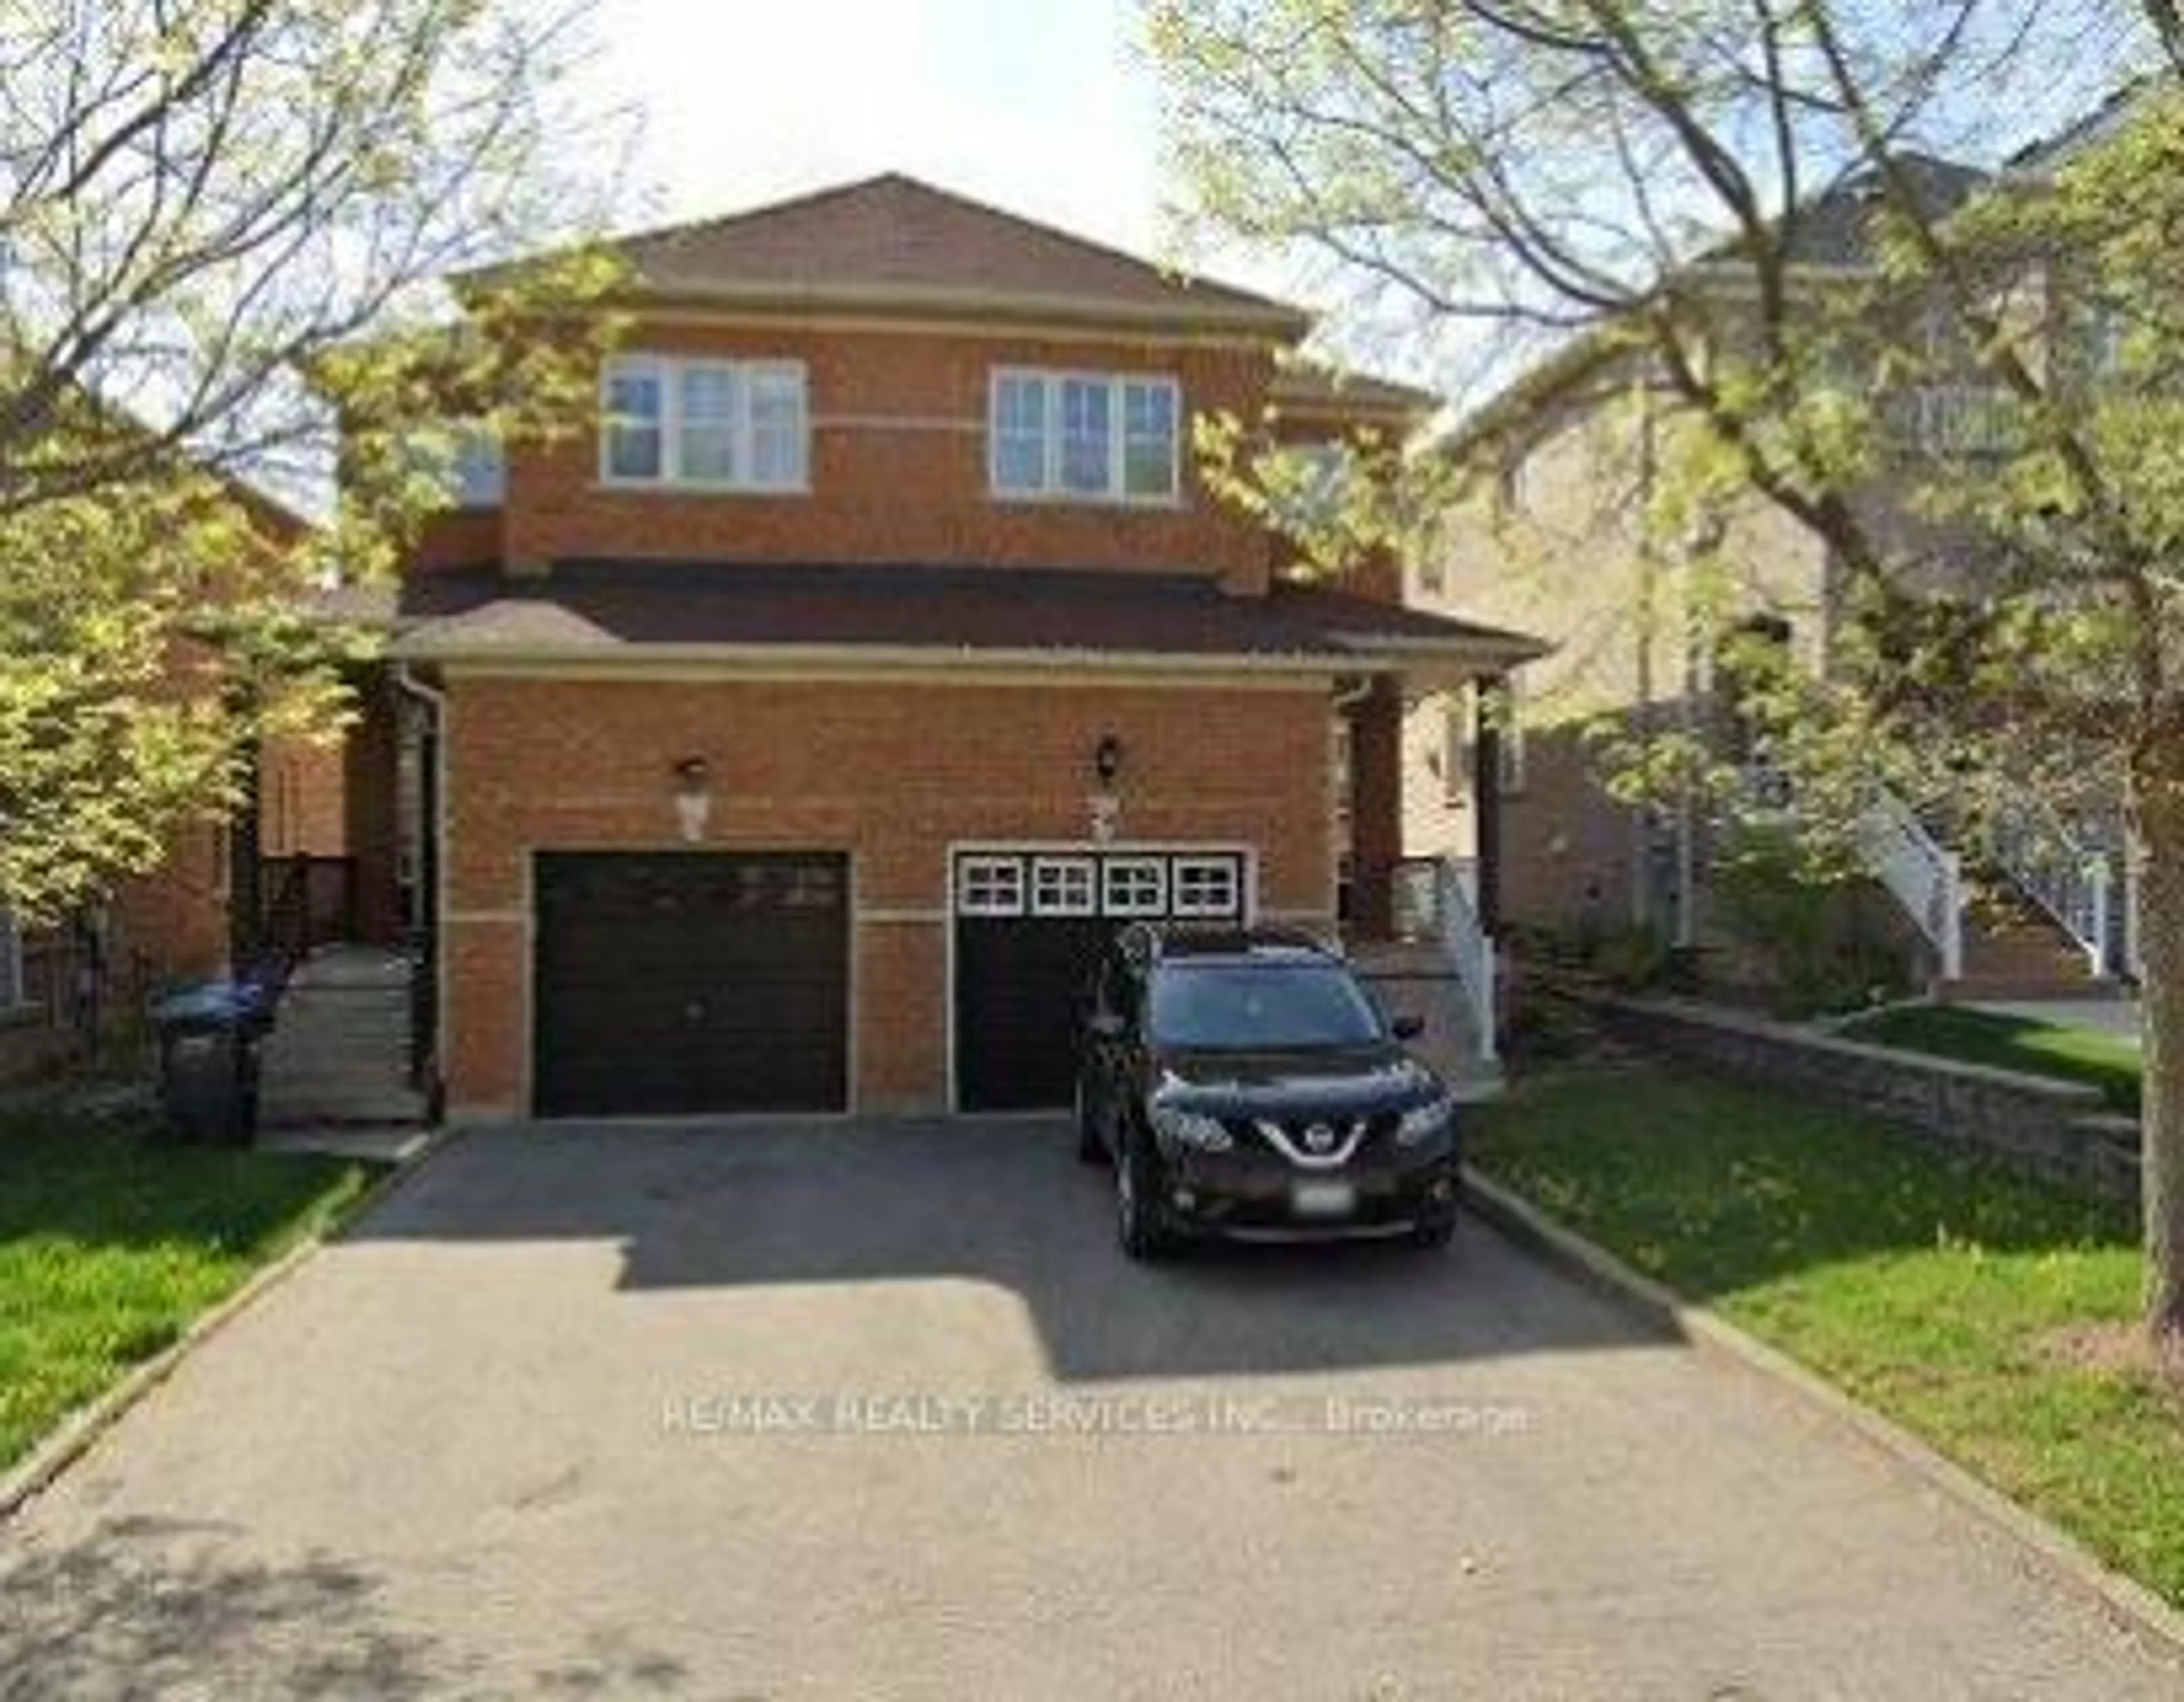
x=1954 y=420
x=1432 y=898
x=1923 y=874
x=2072 y=881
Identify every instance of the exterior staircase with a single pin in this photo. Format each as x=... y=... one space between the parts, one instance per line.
x=2052 y=916
x=2014 y=951
x=339 y=1056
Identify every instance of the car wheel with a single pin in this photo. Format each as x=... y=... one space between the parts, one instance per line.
x=1090 y=1149
x=1140 y=1226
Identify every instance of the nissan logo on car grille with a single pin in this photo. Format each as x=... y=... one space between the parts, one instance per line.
x=1320 y=1138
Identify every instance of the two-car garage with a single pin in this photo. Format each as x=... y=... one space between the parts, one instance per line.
x=670 y=983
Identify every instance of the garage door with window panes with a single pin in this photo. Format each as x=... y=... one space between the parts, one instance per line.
x=1029 y=927
x=682 y=983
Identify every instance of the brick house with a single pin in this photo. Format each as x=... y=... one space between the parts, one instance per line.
x=785 y=742
x=178 y=923
x=1551 y=541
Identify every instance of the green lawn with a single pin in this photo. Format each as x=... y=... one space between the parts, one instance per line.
x=2109 y=1062
x=1945 y=1294
x=109 y=1247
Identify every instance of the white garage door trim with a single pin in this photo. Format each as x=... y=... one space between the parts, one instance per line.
x=1021 y=897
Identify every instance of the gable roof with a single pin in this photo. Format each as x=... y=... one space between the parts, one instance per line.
x=1836 y=227
x=1833 y=231
x=2089 y=128
x=894 y=244
x=1312 y=389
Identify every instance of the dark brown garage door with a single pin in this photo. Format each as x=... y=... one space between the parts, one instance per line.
x=686 y=984
x=1028 y=927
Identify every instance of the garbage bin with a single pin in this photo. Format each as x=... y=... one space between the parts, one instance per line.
x=209 y=1040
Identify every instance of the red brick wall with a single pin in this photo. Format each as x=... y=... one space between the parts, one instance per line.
x=899 y=466
x=302 y=803
x=458 y=537
x=175 y=920
x=1377 y=574
x=370 y=770
x=1376 y=768
x=892 y=773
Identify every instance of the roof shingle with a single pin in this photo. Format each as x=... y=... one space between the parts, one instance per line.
x=893 y=240
x=598 y=610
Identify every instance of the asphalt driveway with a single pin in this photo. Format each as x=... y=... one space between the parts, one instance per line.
x=853 y=1411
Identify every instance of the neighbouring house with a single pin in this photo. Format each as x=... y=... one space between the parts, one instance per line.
x=61 y=986
x=788 y=741
x=1552 y=543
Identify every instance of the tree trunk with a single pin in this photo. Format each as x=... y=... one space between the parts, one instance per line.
x=2159 y=814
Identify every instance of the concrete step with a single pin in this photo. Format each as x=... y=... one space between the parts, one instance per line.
x=339 y=1056
x=1415 y=980
x=1983 y=988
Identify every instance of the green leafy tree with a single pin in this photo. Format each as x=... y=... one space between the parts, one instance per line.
x=223 y=227
x=1639 y=183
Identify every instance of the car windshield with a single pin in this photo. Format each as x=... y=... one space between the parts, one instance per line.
x=1260 y=1008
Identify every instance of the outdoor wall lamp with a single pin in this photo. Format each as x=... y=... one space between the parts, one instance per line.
x=1105 y=807
x=693 y=797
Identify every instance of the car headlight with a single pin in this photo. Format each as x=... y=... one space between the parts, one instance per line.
x=1423 y=1122
x=1191 y=1129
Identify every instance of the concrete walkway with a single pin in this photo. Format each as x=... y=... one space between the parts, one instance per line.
x=338 y=1057
x=2116 y=1016
x=828 y=1411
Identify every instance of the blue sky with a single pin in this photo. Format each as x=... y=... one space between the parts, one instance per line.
x=1048 y=108
x=1044 y=106
x=1040 y=105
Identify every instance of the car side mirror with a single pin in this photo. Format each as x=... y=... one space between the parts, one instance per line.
x=1407 y=1027
x=1104 y=1024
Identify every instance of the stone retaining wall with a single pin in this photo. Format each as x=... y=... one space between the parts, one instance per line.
x=2058 y=1130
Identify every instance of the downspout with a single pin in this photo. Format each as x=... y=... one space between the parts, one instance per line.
x=1347 y=698
x=433 y=882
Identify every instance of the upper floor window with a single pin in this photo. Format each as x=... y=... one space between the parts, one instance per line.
x=1096 y=438
x=480 y=472
x=706 y=424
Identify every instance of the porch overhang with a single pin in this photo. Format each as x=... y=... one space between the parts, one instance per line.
x=646 y=616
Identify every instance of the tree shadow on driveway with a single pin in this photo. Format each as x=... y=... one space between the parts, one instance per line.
x=1000 y=1202
x=145 y=1606
x=154 y=1607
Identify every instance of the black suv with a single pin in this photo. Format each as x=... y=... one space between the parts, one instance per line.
x=1243 y=1083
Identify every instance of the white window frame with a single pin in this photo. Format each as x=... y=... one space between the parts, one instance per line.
x=1065 y=887
x=1112 y=903
x=1051 y=488
x=990 y=886
x=668 y=371
x=1189 y=905
x=479 y=469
